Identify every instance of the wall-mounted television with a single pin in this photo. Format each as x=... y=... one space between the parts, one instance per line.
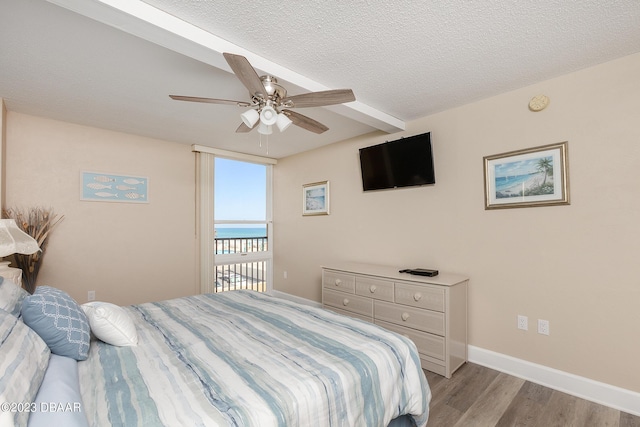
x=405 y=162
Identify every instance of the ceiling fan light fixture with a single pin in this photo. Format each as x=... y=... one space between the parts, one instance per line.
x=264 y=129
x=268 y=97
x=283 y=122
x=268 y=116
x=250 y=117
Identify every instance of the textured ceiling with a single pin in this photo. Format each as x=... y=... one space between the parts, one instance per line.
x=111 y=63
x=413 y=58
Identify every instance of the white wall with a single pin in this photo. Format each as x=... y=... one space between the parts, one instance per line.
x=128 y=253
x=572 y=265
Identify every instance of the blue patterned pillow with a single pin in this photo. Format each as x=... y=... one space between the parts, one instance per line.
x=59 y=321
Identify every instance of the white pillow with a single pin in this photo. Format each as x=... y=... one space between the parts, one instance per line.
x=111 y=323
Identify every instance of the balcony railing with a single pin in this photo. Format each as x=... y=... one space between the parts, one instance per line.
x=238 y=245
x=247 y=275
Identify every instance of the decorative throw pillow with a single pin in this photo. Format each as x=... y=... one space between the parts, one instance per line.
x=111 y=323
x=59 y=321
x=11 y=296
x=23 y=361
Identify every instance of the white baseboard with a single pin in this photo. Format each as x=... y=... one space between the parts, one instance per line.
x=585 y=388
x=295 y=298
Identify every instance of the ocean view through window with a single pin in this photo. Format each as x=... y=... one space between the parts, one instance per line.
x=233 y=232
x=242 y=255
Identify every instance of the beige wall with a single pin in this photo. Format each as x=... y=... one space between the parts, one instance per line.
x=128 y=253
x=572 y=265
x=3 y=137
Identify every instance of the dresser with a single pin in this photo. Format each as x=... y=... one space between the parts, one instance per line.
x=431 y=311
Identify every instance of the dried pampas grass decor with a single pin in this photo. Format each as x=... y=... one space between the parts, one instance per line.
x=37 y=223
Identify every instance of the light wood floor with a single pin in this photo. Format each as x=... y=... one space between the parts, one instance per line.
x=478 y=396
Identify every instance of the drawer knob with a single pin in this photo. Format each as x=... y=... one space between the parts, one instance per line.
x=405 y=316
x=338 y=282
x=417 y=296
x=345 y=302
x=372 y=288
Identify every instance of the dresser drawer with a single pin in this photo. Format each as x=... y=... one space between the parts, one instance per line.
x=423 y=320
x=427 y=344
x=348 y=302
x=336 y=280
x=349 y=313
x=374 y=288
x=433 y=365
x=431 y=298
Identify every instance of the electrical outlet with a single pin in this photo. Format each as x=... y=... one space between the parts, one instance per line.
x=285 y=275
x=543 y=327
x=523 y=322
x=91 y=296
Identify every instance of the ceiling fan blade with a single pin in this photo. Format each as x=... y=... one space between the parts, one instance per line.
x=319 y=99
x=246 y=73
x=305 y=122
x=210 y=100
x=244 y=128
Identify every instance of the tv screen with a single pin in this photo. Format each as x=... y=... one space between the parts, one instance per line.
x=405 y=162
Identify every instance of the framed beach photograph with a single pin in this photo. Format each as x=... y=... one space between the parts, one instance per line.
x=535 y=176
x=315 y=198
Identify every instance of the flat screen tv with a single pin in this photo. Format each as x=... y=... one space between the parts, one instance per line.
x=405 y=162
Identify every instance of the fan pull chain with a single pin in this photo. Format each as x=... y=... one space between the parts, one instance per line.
x=266 y=142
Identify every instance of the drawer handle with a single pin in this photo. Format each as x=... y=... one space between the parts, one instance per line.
x=417 y=296
x=338 y=282
x=405 y=316
x=372 y=288
x=345 y=302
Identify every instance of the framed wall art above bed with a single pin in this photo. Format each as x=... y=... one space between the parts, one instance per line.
x=107 y=187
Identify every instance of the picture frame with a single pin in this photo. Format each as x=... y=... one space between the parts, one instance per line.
x=315 y=198
x=536 y=176
x=110 y=187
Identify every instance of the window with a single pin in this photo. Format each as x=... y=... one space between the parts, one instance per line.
x=241 y=252
x=234 y=221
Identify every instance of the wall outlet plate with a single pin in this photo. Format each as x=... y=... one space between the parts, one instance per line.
x=523 y=322
x=543 y=327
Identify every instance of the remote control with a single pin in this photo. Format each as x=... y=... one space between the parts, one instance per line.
x=420 y=272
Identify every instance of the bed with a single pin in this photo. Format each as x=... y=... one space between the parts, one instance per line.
x=238 y=358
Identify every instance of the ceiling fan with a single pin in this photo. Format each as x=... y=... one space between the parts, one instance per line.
x=270 y=104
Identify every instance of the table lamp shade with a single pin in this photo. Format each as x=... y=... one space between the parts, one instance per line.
x=15 y=241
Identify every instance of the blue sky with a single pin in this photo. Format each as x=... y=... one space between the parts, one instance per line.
x=523 y=167
x=240 y=190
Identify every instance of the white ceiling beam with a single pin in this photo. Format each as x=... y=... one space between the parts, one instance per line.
x=149 y=23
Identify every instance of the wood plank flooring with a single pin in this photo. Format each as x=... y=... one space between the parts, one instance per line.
x=478 y=396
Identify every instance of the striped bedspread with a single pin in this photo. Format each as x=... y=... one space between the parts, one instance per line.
x=243 y=358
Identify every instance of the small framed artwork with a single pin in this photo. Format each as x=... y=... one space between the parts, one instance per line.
x=535 y=176
x=107 y=187
x=315 y=198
